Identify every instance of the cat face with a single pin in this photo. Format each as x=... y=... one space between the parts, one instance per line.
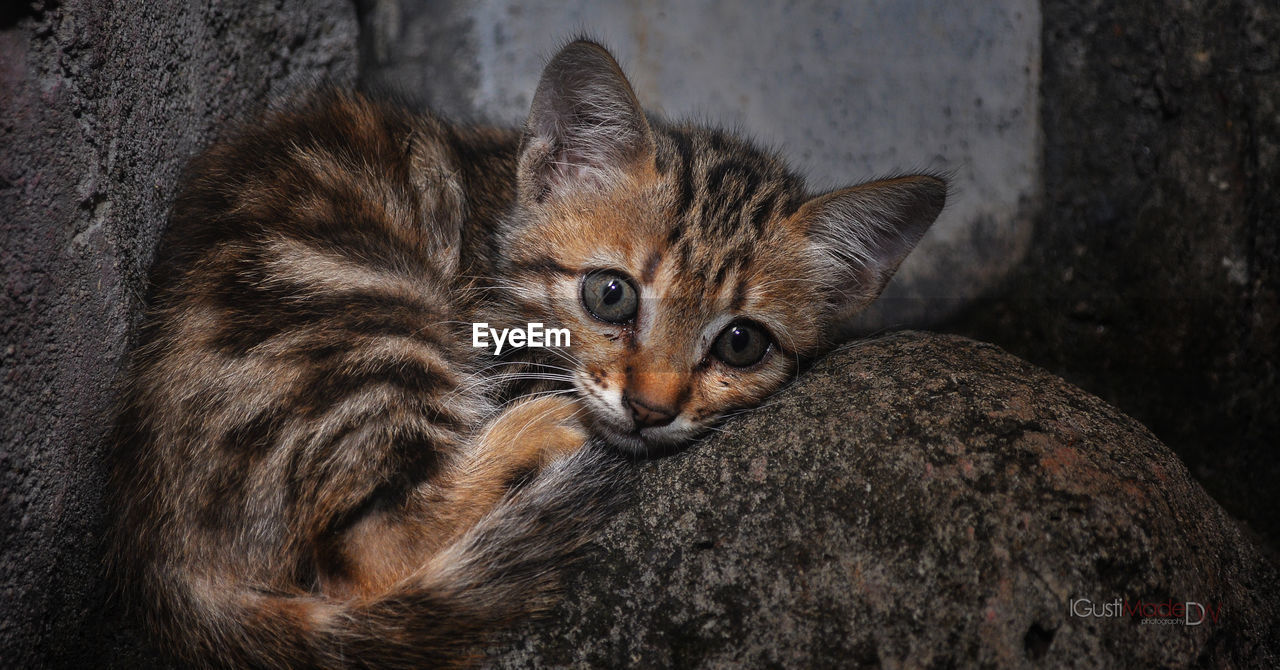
x=693 y=271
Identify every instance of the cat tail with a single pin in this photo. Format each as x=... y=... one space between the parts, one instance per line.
x=504 y=569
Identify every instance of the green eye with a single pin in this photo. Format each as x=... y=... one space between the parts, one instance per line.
x=609 y=296
x=742 y=344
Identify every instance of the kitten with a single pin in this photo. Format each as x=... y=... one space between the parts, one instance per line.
x=314 y=467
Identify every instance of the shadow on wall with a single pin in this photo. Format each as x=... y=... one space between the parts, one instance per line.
x=1154 y=276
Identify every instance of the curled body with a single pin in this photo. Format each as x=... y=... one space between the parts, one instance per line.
x=314 y=467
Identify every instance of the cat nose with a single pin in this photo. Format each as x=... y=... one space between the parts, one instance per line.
x=649 y=417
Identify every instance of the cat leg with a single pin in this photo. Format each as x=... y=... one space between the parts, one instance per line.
x=389 y=543
x=510 y=451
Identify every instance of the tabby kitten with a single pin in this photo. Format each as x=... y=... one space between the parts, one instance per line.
x=315 y=467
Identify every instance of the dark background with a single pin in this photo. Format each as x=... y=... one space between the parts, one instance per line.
x=1154 y=275
x=1151 y=279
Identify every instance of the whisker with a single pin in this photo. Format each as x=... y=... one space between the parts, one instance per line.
x=539 y=394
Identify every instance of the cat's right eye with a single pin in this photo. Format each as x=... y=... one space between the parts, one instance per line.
x=742 y=344
x=610 y=296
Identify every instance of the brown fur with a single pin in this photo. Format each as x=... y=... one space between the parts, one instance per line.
x=313 y=466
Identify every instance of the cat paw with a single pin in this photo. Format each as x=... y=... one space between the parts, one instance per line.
x=538 y=431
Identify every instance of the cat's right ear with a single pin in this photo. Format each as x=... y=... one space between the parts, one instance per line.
x=586 y=129
x=860 y=235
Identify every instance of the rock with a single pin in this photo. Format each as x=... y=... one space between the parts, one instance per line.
x=101 y=106
x=915 y=501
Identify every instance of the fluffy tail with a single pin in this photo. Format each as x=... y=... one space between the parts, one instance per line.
x=503 y=569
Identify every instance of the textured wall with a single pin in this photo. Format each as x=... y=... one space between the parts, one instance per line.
x=1154 y=276
x=845 y=90
x=101 y=104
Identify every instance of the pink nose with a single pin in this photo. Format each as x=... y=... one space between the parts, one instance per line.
x=649 y=417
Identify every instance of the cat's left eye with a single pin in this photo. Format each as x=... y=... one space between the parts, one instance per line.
x=742 y=344
x=610 y=296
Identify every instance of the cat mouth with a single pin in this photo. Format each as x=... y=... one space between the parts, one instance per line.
x=625 y=435
x=627 y=439
x=637 y=441
x=630 y=441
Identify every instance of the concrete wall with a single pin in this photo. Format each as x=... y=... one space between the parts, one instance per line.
x=1153 y=279
x=846 y=91
x=101 y=105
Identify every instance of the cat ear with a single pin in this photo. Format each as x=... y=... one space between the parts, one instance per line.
x=861 y=234
x=585 y=126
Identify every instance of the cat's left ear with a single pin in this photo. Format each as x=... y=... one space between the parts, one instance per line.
x=585 y=130
x=862 y=234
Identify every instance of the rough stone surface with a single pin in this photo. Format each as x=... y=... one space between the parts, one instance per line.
x=914 y=501
x=846 y=91
x=1154 y=275
x=101 y=104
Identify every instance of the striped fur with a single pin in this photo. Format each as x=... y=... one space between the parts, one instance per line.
x=314 y=468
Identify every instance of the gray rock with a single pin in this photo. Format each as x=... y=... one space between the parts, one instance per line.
x=915 y=501
x=101 y=105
